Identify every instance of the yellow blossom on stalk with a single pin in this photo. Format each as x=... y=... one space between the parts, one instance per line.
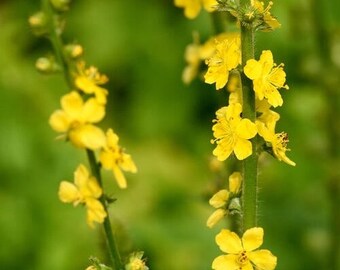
x=85 y=190
x=232 y=133
x=112 y=157
x=242 y=254
x=227 y=56
x=278 y=141
x=267 y=78
x=195 y=53
x=75 y=120
x=136 y=262
x=193 y=7
x=270 y=21
x=88 y=80
x=221 y=198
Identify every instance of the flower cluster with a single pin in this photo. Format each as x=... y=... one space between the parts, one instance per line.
x=81 y=110
x=231 y=131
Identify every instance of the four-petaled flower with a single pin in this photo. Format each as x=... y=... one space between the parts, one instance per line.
x=193 y=7
x=85 y=190
x=112 y=157
x=87 y=80
x=232 y=133
x=75 y=120
x=267 y=78
x=221 y=198
x=227 y=56
x=242 y=253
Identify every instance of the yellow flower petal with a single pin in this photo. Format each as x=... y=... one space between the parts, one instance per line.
x=127 y=163
x=95 y=212
x=252 y=69
x=223 y=150
x=87 y=136
x=263 y=259
x=68 y=192
x=224 y=262
x=215 y=217
x=106 y=159
x=246 y=129
x=235 y=181
x=72 y=104
x=112 y=139
x=243 y=149
x=252 y=238
x=120 y=178
x=219 y=199
x=229 y=242
x=92 y=111
x=59 y=121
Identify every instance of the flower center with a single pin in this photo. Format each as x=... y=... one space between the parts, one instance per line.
x=242 y=258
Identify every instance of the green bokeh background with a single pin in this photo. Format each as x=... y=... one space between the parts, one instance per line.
x=166 y=126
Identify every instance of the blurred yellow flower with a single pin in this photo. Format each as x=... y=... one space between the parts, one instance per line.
x=85 y=190
x=267 y=78
x=221 y=198
x=195 y=53
x=88 y=80
x=75 y=120
x=112 y=157
x=232 y=133
x=227 y=56
x=136 y=262
x=193 y=7
x=242 y=253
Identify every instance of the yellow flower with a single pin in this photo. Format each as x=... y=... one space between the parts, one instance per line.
x=267 y=78
x=278 y=141
x=270 y=21
x=136 y=262
x=195 y=53
x=227 y=56
x=85 y=190
x=242 y=253
x=112 y=157
x=88 y=80
x=220 y=199
x=192 y=57
x=232 y=133
x=193 y=7
x=76 y=118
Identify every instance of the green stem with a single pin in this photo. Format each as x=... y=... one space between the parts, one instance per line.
x=249 y=193
x=56 y=40
x=110 y=239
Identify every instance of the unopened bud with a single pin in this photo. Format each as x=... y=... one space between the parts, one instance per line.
x=38 y=23
x=61 y=5
x=74 y=51
x=46 y=65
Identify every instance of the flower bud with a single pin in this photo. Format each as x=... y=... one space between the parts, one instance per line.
x=38 y=23
x=73 y=51
x=60 y=5
x=46 y=65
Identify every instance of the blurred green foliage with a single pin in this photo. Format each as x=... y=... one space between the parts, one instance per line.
x=166 y=126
